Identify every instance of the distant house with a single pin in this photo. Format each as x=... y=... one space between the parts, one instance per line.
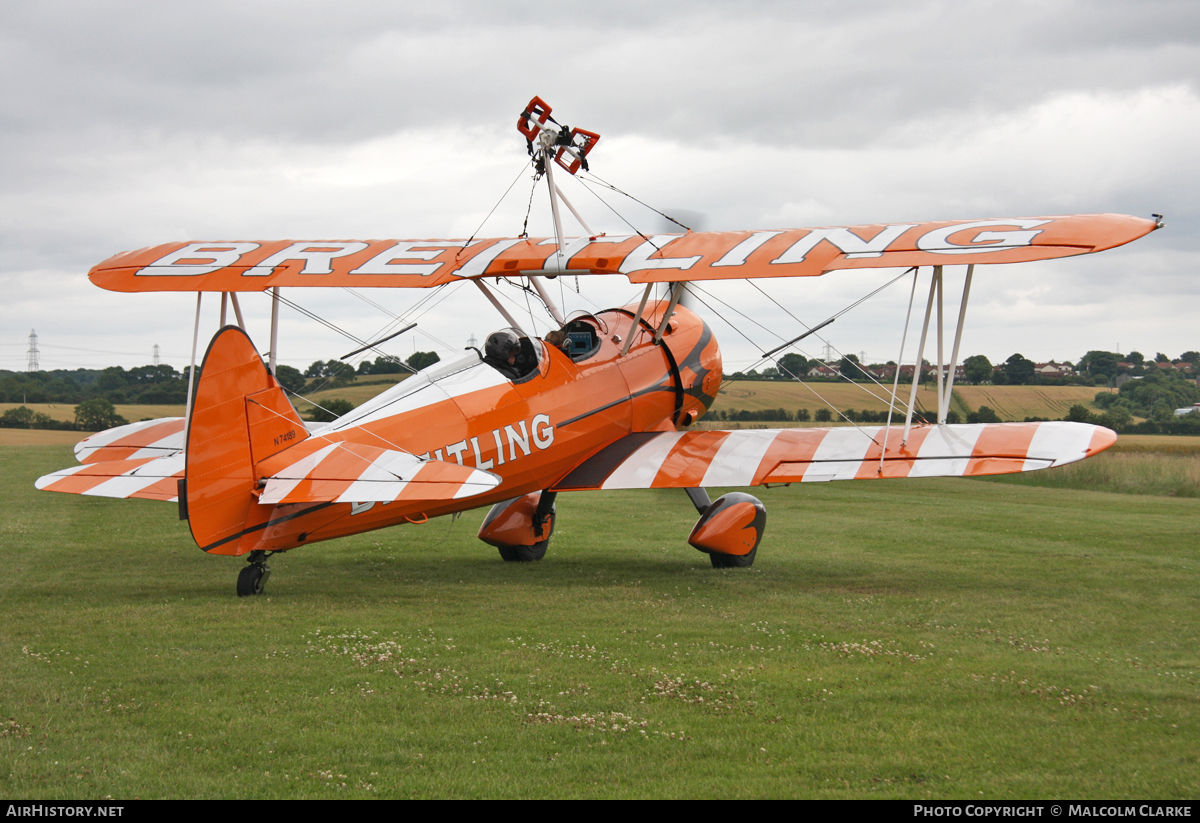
x=888 y=372
x=928 y=372
x=1187 y=410
x=1053 y=369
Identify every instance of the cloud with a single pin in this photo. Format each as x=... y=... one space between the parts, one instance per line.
x=128 y=124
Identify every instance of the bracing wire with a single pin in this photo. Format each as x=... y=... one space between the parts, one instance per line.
x=426 y=304
x=601 y=181
x=764 y=359
x=891 y=402
x=617 y=213
x=834 y=317
x=524 y=166
x=439 y=292
x=319 y=436
x=326 y=323
x=529 y=207
x=843 y=311
x=333 y=327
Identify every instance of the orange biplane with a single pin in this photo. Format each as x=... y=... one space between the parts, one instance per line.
x=603 y=403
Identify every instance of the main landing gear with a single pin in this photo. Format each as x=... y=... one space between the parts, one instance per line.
x=253 y=578
x=728 y=530
x=520 y=528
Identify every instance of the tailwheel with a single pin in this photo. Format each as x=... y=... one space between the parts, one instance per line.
x=730 y=529
x=253 y=578
x=520 y=528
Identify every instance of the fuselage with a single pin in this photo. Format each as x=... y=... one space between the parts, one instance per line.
x=530 y=432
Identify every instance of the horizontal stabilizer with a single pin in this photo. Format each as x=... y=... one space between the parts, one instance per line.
x=147 y=478
x=134 y=441
x=756 y=457
x=317 y=471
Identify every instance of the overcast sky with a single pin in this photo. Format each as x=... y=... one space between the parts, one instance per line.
x=129 y=124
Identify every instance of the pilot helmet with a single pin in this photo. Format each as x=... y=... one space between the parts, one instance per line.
x=501 y=344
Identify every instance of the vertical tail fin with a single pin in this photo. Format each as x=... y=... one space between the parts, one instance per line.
x=240 y=416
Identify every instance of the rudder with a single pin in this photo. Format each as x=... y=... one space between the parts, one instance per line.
x=240 y=415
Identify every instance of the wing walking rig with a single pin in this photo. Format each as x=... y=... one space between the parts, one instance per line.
x=604 y=405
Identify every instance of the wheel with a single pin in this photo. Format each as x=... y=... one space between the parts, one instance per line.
x=732 y=561
x=524 y=554
x=251 y=580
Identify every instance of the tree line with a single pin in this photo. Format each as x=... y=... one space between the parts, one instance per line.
x=981 y=415
x=143 y=384
x=165 y=385
x=96 y=414
x=1094 y=368
x=336 y=373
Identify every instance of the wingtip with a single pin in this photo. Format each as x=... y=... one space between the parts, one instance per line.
x=1102 y=438
x=478 y=482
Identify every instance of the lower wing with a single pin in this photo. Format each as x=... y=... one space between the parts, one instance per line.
x=759 y=457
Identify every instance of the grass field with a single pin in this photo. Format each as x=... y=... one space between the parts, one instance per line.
x=1160 y=443
x=1128 y=472
x=1145 y=464
x=932 y=638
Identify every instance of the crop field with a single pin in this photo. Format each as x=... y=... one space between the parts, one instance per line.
x=357 y=393
x=131 y=412
x=1009 y=402
x=927 y=638
x=1019 y=402
x=39 y=437
x=757 y=395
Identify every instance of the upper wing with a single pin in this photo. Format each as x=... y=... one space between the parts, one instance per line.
x=755 y=457
x=711 y=255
